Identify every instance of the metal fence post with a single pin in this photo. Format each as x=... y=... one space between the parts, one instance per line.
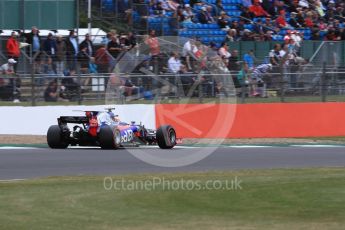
x=33 y=96
x=282 y=85
x=80 y=85
x=323 y=82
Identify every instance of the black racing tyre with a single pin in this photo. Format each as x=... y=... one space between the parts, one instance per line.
x=166 y=137
x=109 y=138
x=55 y=138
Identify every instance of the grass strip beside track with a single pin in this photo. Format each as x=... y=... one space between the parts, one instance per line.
x=269 y=199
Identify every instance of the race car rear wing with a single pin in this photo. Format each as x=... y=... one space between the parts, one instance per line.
x=74 y=120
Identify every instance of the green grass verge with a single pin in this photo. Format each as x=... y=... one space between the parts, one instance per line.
x=269 y=199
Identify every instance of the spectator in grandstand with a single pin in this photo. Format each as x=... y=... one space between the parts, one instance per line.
x=157 y=9
x=340 y=13
x=70 y=89
x=187 y=80
x=132 y=40
x=72 y=50
x=152 y=41
x=315 y=34
x=259 y=27
x=257 y=9
x=172 y=5
x=106 y=39
x=287 y=36
x=83 y=60
x=125 y=43
x=308 y=20
x=258 y=86
x=9 y=88
x=34 y=39
x=342 y=33
x=247 y=14
x=275 y=8
x=51 y=93
x=297 y=39
x=129 y=88
x=50 y=48
x=241 y=80
x=223 y=21
x=189 y=48
x=8 y=68
x=303 y=3
x=281 y=21
x=188 y=14
x=293 y=20
x=212 y=54
x=205 y=16
x=174 y=63
x=231 y=36
x=13 y=48
x=114 y=48
x=268 y=23
x=234 y=62
x=88 y=44
x=268 y=36
x=300 y=17
x=219 y=6
x=60 y=54
x=102 y=59
x=332 y=35
x=224 y=51
x=247 y=35
x=275 y=55
x=249 y=59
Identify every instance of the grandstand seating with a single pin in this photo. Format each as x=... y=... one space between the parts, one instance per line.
x=206 y=32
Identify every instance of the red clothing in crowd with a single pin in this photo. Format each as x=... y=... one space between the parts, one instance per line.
x=309 y=22
x=258 y=11
x=153 y=43
x=281 y=22
x=12 y=47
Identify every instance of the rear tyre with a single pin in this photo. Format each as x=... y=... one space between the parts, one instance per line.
x=166 y=137
x=55 y=138
x=109 y=138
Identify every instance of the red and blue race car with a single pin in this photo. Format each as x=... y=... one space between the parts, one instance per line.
x=104 y=129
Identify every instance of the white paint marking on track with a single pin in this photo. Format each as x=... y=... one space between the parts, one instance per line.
x=11 y=180
x=249 y=146
x=317 y=146
x=134 y=147
x=15 y=147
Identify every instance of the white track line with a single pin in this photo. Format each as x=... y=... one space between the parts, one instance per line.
x=11 y=180
x=317 y=146
x=16 y=147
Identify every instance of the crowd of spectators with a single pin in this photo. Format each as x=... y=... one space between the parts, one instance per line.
x=323 y=18
x=259 y=20
x=55 y=56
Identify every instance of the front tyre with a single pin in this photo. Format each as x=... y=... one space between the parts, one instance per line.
x=166 y=137
x=109 y=138
x=55 y=138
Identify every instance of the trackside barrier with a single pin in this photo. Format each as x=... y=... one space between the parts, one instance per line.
x=198 y=120
x=36 y=120
x=256 y=120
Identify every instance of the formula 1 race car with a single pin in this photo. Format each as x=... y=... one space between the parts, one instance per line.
x=104 y=129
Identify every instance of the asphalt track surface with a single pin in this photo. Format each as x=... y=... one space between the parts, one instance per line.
x=38 y=163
